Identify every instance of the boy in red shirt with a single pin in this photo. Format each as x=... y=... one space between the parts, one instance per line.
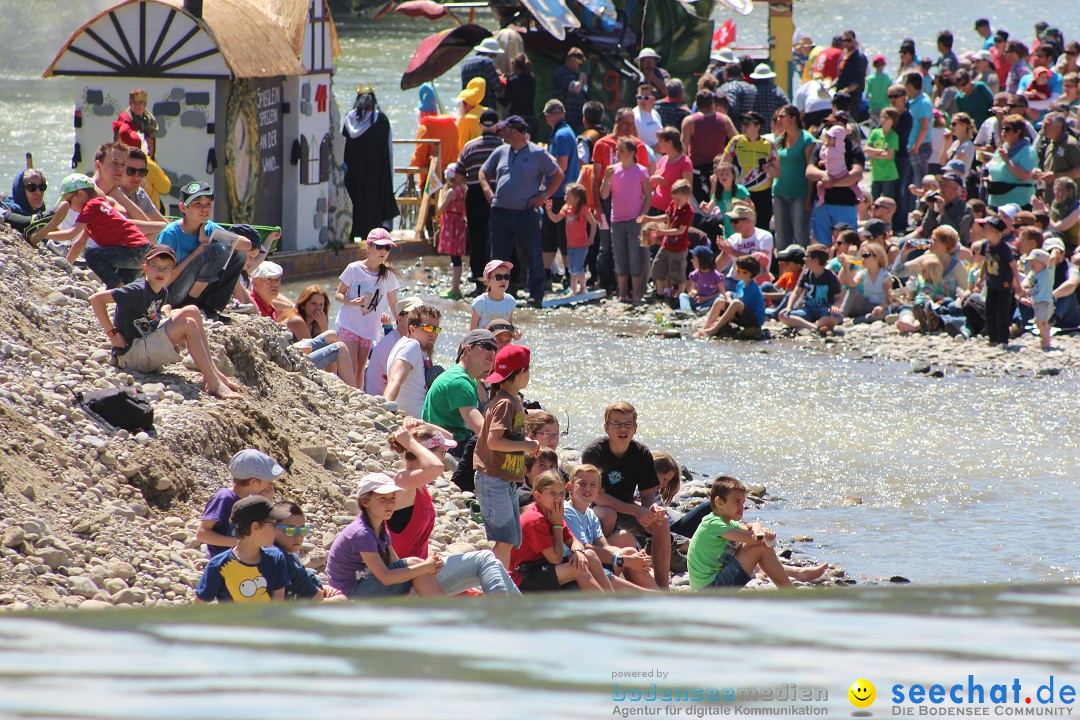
x=119 y=244
x=669 y=266
x=539 y=563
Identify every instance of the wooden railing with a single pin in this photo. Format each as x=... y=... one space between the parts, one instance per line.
x=425 y=198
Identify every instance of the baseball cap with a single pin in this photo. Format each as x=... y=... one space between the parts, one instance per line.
x=252 y=463
x=438 y=440
x=267 y=269
x=878 y=59
x=380 y=483
x=1053 y=243
x=195 y=190
x=509 y=359
x=994 y=222
x=792 y=253
x=407 y=305
x=494 y=265
x=876 y=227
x=479 y=336
x=489 y=118
x=249 y=233
x=501 y=325
x=740 y=212
x=953 y=177
x=984 y=55
x=380 y=236
x=256 y=508
x=75 y=181
x=841 y=227
x=1037 y=254
x=160 y=249
x=554 y=107
x=702 y=251
x=1009 y=210
x=516 y=122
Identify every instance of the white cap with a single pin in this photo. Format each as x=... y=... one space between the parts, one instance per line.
x=380 y=483
x=267 y=269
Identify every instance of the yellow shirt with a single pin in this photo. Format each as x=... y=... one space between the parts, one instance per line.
x=747 y=156
x=157 y=182
x=468 y=125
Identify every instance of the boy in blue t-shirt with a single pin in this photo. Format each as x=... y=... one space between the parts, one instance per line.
x=745 y=305
x=253 y=473
x=253 y=571
x=818 y=287
x=206 y=272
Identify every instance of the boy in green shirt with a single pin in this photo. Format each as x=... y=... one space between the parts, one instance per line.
x=877 y=89
x=725 y=552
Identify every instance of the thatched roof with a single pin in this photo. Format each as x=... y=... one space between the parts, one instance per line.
x=291 y=15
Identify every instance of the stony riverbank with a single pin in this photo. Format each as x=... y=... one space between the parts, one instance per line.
x=96 y=519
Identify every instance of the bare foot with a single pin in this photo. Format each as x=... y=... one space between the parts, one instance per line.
x=222 y=391
x=229 y=383
x=807 y=574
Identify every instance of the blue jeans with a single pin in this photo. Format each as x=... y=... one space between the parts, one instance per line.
x=323 y=352
x=792 y=221
x=575 y=258
x=371 y=586
x=115 y=265
x=688 y=304
x=500 y=508
x=480 y=567
x=825 y=216
x=731 y=575
x=1068 y=311
x=208 y=267
x=523 y=226
x=888 y=188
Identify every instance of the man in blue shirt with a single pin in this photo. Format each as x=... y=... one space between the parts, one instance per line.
x=921 y=114
x=206 y=272
x=563 y=147
x=519 y=169
x=982 y=26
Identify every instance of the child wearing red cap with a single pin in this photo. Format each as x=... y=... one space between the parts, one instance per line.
x=501 y=447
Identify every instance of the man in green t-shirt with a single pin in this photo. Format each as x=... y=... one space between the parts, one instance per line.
x=452 y=401
x=877 y=89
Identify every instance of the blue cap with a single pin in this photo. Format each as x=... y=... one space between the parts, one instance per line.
x=701 y=251
x=428 y=103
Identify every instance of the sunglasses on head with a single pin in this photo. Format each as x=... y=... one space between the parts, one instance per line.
x=36 y=187
x=501 y=276
x=294 y=530
x=141 y=172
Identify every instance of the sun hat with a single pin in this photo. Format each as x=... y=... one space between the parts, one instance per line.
x=1009 y=210
x=407 y=305
x=75 y=181
x=724 y=55
x=576 y=52
x=380 y=236
x=804 y=42
x=474 y=92
x=451 y=170
x=267 y=269
x=493 y=265
x=754 y=116
x=252 y=463
x=428 y=101
x=740 y=212
x=489 y=46
x=1053 y=243
x=762 y=72
x=647 y=52
x=501 y=325
x=380 y=483
x=510 y=359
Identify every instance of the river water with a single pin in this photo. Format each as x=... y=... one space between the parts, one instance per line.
x=964 y=481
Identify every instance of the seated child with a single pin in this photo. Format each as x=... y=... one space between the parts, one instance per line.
x=818 y=288
x=743 y=306
x=929 y=290
x=705 y=282
x=362 y=561
x=119 y=243
x=725 y=552
x=253 y=571
x=627 y=568
x=145 y=332
x=1039 y=287
x=833 y=162
x=1039 y=88
x=303 y=584
x=543 y=461
x=496 y=302
x=253 y=473
x=535 y=564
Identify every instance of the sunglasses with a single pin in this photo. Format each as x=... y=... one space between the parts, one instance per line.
x=894 y=97
x=431 y=328
x=491 y=347
x=644 y=97
x=294 y=530
x=36 y=187
x=501 y=276
x=867 y=255
x=141 y=172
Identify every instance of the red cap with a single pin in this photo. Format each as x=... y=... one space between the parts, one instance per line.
x=878 y=59
x=509 y=359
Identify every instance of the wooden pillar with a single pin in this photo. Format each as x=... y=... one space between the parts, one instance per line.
x=781 y=29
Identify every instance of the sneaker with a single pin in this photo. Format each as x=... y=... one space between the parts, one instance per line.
x=919 y=311
x=215 y=316
x=37 y=222
x=57 y=248
x=451 y=295
x=535 y=303
x=235 y=306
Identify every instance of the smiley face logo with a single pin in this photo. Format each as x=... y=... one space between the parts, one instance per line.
x=862 y=693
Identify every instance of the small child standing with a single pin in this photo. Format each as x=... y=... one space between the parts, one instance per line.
x=144 y=331
x=820 y=287
x=1039 y=283
x=540 y=562
x=669 y=265
x=881 y=148
x=999 y=275
x=705 y=281
x=366 y=289
x=253 y=571
x=119 y=243
x=501 y=446
x=452 y=227
x=580 y=232
x=253 y=473
x=833 y=161
x=496 y=302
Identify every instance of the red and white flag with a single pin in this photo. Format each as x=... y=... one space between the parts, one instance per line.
x=724 y=35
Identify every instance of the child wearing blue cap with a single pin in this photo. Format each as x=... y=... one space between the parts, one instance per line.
x=704 y=284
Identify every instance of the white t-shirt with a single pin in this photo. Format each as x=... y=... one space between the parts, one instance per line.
x=361 y=281
x=489 y=309
x=375 y=374
x=648 y=124
x=411 y=394
x=760 y=241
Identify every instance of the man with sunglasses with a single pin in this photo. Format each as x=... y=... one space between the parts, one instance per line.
x=131 y=184
x=646 y=119
x=453 y=400
x=408 y=360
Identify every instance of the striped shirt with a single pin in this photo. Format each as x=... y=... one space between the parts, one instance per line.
x=475 y=153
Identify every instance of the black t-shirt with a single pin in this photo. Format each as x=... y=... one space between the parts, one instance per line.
x=138 y=311
x=622 y=475
x=853 y=155
x=999 y=275
x=820 y=290
x=903 y=129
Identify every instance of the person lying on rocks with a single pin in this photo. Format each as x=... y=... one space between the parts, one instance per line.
x=145 y=332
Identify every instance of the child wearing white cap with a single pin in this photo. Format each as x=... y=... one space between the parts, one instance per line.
x=1039 y=287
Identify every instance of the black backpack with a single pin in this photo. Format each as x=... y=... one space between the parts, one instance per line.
x=120 y=408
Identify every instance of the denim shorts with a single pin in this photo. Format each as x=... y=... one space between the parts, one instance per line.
x=575 y=258
x=371 y=587
x=323 y=352
x=731 y=575
x=499 y=507
x=813 y=314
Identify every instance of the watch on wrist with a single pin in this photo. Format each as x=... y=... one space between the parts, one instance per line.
x=619 y=560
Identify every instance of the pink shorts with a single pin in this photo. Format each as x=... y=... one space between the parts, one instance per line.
x=349 y=336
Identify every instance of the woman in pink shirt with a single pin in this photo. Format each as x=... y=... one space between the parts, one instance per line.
x=673 y=165
x=627 y=184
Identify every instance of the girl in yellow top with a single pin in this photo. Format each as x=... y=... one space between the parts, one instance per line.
x=750 y=153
